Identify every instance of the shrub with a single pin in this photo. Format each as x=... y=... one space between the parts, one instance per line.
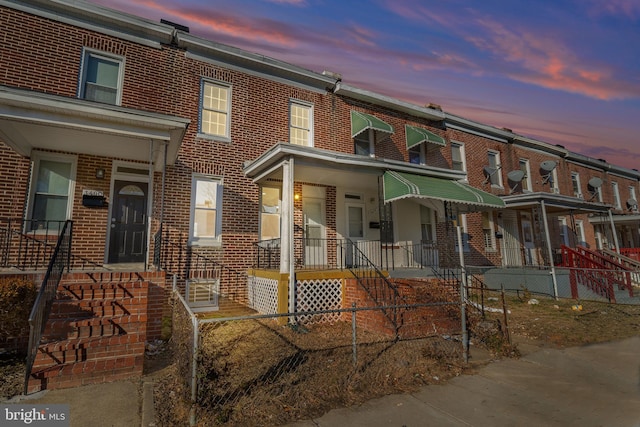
x=17 y=296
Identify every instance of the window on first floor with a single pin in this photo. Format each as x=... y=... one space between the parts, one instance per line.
x=53 y=181
x=488 y=231
x=427 y=225
x=206 y=209
x=270 y=213
x=101 y=77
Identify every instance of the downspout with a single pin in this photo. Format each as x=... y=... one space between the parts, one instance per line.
x=164 y=176
x=554 y=279
x=613 y=230
x=149 y=205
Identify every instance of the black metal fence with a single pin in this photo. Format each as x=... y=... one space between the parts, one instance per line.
x=42 y=307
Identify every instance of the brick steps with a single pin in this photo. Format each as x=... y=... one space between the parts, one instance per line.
x=96 y=332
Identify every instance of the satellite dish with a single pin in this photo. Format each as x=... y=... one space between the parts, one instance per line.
x=516 y=175
x=548 y=165
x=595 y=182
x=488 y=170
x=632 y=203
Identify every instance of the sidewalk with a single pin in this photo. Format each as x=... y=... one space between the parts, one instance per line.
x=596 y=385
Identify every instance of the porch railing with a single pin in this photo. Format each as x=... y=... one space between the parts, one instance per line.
x=173 y=254
x=318 y=253
x=47 y=293
x=29 y=244
x=596 y=272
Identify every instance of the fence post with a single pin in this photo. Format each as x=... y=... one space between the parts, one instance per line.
x=463 y=298
x=194 y=372
x=353 y=333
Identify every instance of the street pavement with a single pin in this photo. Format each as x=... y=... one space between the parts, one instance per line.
x=595 y=385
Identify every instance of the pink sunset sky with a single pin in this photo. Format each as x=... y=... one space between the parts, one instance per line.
x=562 y=71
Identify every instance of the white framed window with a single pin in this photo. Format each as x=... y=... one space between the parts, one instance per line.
x=555 y=188
x=580 y=233
x=526 y=170
x=206 y=210
x=564 y=230
x=215 y=109
x=632 y=198
x=616 y=195
x=52 y=188
x=364 y=143
x=427 y=225
x=495 y=175
x=101 y=77
x=575 y=184
x=458 y=160
x=488 y=232
x=417 y=154
x=270 y=213
x=300 y=123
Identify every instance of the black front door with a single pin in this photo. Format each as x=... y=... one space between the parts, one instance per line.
x=128 y=222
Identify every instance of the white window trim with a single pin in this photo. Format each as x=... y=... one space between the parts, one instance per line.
x=580 y=232
x=576 y=175
x=309 y=106
x=498 y=171
x=632 y=195
x=555 y=188
x=372 y=138
x=616 y=195
x=87 y=52
x=36 y=157
x=206 y=241
x=492 y=231
x=527 y=176
x=463 y=156
x=209 y=136
x=466 y=247
x=355 y=204
x=421 y=148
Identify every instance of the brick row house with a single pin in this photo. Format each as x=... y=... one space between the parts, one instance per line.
x=261 y=181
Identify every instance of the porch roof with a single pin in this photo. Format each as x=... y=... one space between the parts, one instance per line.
x=399 y=185
x=554 y=203
x=32 y=120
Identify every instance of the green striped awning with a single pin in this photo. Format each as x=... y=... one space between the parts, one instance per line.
x=363 y=121
x=416 y=135
x=402 y=185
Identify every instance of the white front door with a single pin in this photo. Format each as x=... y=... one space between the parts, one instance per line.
x=315 y=246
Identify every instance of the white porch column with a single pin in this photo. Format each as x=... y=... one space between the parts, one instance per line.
x=286 y=240
x=547 y=236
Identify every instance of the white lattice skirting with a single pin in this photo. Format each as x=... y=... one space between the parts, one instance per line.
x=317 y=295
x=263 y=294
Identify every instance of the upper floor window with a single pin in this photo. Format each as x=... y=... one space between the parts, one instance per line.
x=632 y=202
x=555 y=188
x=495 y=176
x=458 y=161
x=101 y=77
x=53 y=182
x=206 y=209
x=215 y=109
x=575 y=184
x=416 y=154
x=526 y=170
x=616 y=195
x=364 y=143
x=300 y=124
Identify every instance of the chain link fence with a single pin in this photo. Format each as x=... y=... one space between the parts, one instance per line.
x=271 y=369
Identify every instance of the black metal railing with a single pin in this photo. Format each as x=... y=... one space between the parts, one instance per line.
x=47 y=293
x=174 y=255
x=321 y=254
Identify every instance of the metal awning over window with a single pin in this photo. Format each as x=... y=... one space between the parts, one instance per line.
x=363 y=121
x=401 y=185
x=416 y=135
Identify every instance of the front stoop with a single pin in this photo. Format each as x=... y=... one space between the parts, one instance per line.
x=96 y=332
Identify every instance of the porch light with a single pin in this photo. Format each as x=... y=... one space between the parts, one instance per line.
x=296 y=196
x=100 y=173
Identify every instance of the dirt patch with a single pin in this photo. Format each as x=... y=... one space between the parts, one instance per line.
x=12 y=371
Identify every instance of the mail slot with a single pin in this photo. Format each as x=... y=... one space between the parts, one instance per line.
x=93 y=201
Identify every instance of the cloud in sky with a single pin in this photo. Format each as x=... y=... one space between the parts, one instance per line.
x=550 y=69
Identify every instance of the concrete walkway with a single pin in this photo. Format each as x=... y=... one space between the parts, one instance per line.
x=596 y=385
